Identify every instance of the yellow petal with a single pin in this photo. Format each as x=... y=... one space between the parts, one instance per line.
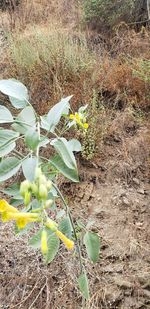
x=85 y=125
x=68 y=243
x=4 y=206
x=21 y=223
x=44 y=247
x=71 y=116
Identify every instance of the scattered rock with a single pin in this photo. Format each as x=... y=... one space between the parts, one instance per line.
x=125 y=284
x=125 y=201
x=136 y=181
x=113 y=268
x=140 y=191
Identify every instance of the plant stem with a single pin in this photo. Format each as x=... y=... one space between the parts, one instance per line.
x=38 y=148
x=72 y=223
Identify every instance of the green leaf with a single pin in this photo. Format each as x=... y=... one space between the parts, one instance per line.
x=83 y=285
x=32 y=139
x=58 y=163
x=50 y=121
x=18 y=103
x=65 y=227
x=75 y=145
x=92 y=243
x=7 y=144
x=53 y=246
x=35 y=240
x=16 y=202
x=28 y=166
x=63 y=148
x=25 y=120
x=12 y=190
x=14 y=88
x=9 y=167
x=5 y=115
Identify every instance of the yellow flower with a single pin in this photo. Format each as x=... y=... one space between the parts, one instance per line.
x=21 y=218
x=53 y=227
x=44 y=246
x=80 y=120
x=68 y=243
x=85 y=125
x=71 y=116
x=4 y=206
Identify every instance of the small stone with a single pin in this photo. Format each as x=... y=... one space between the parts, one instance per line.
x=123 y=283
x=136 y=181
x=126 y=202
x=140 y=191
x=122 y=193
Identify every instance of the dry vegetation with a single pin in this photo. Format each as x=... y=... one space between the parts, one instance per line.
x=49 y=49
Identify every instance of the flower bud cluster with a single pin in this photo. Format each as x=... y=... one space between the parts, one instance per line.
x=39 y=188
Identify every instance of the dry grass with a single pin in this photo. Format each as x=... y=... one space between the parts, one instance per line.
x=52 y=63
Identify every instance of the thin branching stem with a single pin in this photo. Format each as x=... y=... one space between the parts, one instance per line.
x=72 y=223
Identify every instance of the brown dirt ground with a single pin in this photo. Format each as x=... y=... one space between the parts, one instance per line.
x=114 y=192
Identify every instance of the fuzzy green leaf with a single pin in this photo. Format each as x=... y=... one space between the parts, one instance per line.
x=83 y=285
x=92 y=243
x=59 y=164
x=5 y=115
x=9 y=167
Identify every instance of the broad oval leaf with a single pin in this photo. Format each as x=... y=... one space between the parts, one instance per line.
x=28 y=166
x=62 y=147
x=83 y=285
x=7 y=141
x=65 y=227
x=53 y=247
x=5 y=115
x=14 y=88
x=32 y=139
x=50 y=121
x=35 y=240
x=59 y=164
x=25 y=120
x=18 y=103
x=9 y=167
x=92 y=244
x=75 y=145
x=52 y=242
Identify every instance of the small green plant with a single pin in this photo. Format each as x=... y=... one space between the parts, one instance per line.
x=38 y=193
x=89 y=144
x=109 y=13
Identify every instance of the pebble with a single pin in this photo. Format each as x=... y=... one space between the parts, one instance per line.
x=136 y=181
x=140 y=191
x=123 y=283
x=126 y=202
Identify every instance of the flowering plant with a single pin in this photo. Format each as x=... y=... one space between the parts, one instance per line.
x=38 y=193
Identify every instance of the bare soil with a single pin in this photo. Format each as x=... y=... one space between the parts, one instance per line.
x=114 y=192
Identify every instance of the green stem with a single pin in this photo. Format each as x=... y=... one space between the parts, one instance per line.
x=72 y=224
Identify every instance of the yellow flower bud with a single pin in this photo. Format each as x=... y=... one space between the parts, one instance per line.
x=42 y=192
x=52 y=225
x=42 y=180
x=24 y=187
x=68 y=243
x=49 y=185
x=44 y=246
x=38 y=173
x=48 y=204
x=27 y=198
x=34 y=188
